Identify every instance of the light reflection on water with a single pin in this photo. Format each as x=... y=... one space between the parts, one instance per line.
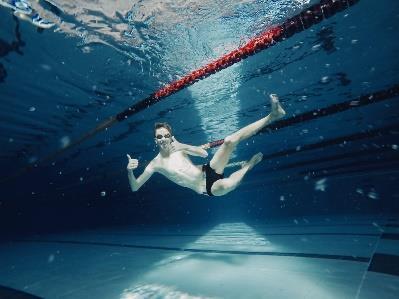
x=138 y=28
x=158 y=291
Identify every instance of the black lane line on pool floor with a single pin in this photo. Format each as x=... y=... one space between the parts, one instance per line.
x=9 y=293
x=387 y=263
x=238 y=252
x=224 y=235
x=375 y=225
x=392 y=225
x=388 y=236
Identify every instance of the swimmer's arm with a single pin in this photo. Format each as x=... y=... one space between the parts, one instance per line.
x=195 y=151
x=189 y=149
x=136 y=183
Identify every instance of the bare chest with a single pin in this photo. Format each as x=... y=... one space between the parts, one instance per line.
x=178 y=165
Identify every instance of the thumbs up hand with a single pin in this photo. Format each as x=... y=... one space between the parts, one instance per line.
x=132 y=164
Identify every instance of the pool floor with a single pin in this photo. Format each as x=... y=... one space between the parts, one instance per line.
x=307 y=257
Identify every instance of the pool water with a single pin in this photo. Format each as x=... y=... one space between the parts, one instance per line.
x=321 y=209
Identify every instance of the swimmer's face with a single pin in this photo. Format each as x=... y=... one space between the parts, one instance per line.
x=163 y=138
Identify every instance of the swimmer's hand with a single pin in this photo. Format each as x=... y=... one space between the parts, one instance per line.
x=187 y=149
x=133 y=163
x=176 y=146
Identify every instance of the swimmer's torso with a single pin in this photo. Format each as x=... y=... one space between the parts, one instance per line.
x=178 y=168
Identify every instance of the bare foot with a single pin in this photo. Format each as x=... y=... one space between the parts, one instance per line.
x=253 y=161
x=277 y=111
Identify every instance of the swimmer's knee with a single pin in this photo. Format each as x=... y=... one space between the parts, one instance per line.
x=220 y=188
x=231 y=141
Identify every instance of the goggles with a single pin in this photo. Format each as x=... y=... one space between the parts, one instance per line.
x=159 y=137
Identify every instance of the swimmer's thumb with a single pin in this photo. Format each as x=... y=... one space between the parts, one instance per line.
x=128 y=156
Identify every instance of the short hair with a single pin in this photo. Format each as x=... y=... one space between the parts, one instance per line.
x=163 y=125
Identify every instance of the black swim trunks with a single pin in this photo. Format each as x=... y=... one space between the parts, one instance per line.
x=211 y=177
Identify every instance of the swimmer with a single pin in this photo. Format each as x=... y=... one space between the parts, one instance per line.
x=23 y=10
x=173 y=159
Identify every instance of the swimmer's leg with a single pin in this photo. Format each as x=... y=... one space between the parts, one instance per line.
x=222 y=155
x=226 y=185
